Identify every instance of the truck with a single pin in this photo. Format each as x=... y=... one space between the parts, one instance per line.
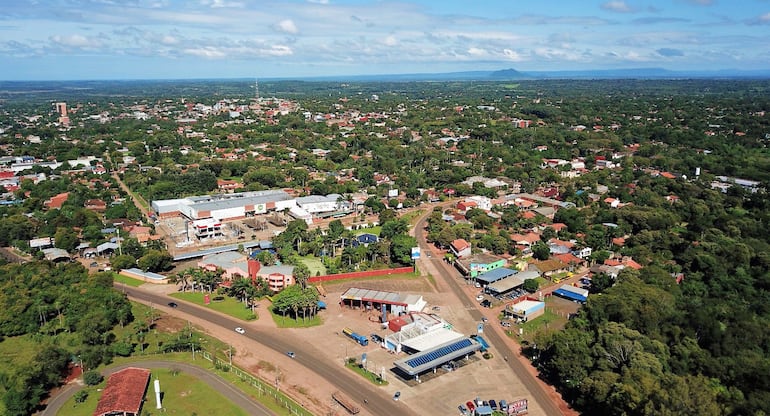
x=345 y=402
x=356 y=337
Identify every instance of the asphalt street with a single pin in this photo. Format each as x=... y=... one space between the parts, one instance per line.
x=453 y=278
x=353 y=386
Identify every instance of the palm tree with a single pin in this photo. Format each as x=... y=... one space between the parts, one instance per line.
x=240 y=289
x=301 y=274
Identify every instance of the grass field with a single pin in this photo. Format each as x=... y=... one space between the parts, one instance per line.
x=228 y=306
x=365 y=373
x=412 y=217
x=376 y=230
x=127 y=280
x=549 y=321
x=314 y=264
x=182 y=395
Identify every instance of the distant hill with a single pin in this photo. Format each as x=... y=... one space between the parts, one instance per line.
x=513 y=74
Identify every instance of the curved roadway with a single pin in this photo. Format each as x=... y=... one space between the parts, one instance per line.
x=219 y=384
x=354 y=387
x=450 y=274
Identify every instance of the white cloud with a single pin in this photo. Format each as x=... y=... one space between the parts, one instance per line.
x=765 y=18
x=286 y=26
x=617 y=6
x=76 y=41
x=512 y=55
x=318 y=1
x=476 y=52
x=219 y=4
x=207 y=52
x=391 y=41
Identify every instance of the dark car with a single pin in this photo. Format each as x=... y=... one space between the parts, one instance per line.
x=462 y=409
x=493 y=404
x=291 y=354
x=172 y=304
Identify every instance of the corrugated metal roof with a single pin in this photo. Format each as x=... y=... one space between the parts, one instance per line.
x=496 y=274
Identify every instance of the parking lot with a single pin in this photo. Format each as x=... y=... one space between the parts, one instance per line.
x=439 y=393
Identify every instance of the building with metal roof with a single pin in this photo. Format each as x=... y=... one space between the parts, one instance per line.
x=224 y=206
x=495 y=275
x=397 y=303
x=428 y=360
x=505 y=285
x=572 y=293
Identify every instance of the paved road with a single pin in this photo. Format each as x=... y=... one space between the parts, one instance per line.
x=353 y=386
x=219 y=384
x=452 y=278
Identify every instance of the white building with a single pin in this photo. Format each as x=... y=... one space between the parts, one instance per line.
x=316 y=203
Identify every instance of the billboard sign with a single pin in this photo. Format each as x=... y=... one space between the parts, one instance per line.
x=518 y=407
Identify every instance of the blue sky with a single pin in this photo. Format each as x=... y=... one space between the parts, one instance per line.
x=141 y=39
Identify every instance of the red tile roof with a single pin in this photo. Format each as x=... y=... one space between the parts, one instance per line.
x=460 y=245
x=124 y=392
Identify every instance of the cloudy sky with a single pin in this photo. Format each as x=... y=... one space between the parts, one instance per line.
x=139 y=39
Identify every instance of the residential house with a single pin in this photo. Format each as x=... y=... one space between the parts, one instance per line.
x=56 y=201
x=96 y=205
x=460 y=248
x=548 y=267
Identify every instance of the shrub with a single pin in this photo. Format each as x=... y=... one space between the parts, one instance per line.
x=92 y=377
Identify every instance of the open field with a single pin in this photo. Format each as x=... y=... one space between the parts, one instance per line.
x=228 y=305
x=182 y=395
x=314 y=264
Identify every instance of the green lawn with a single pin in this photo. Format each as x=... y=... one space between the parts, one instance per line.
x=127 y=280
x=548 y=321
x=314 y=264
x=228 y=306
x=376 y=230
x=182 y=395
x=365 y=373
x=412 y=217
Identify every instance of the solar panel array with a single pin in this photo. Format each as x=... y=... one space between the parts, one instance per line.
x=433 y=355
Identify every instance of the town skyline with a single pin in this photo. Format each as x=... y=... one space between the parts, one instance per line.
x=166 y=39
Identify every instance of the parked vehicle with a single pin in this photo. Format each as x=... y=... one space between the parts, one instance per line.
x=503 y=405
x=493 y=404
x=356 y=337
x=471 y=406
x=463 y=410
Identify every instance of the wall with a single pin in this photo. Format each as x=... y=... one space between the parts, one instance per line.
x=357 y=275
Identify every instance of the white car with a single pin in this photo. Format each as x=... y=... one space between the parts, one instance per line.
x=240 y=330
x=480 y=298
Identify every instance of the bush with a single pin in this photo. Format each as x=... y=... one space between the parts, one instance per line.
x=92 y=377
x=81 y=396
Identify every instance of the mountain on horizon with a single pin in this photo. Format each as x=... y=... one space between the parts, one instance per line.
x=514 y=74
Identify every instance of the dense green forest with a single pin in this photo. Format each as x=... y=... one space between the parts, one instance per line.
x=69 y=314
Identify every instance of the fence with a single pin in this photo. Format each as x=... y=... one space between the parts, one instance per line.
x=357 y=275
x=262 y=387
